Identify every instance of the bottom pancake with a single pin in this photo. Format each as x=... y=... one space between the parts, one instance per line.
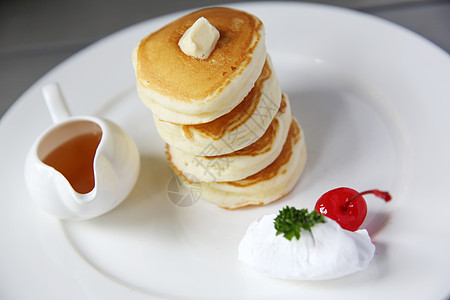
x=269 y=184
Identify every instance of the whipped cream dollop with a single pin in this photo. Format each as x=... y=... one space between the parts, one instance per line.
x=200 y=39
x=325 y=252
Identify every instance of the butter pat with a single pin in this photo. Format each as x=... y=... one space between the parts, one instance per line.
x=200 y=39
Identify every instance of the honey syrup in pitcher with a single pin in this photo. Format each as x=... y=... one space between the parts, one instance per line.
x=74 y=159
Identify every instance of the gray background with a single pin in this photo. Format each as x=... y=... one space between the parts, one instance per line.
x=36 y=35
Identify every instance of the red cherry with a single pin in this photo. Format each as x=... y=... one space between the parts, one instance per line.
x=346 y=206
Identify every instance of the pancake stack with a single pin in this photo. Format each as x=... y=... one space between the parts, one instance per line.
x=225 y=120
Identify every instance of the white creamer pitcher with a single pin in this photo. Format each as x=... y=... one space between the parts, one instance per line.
x=82 y=166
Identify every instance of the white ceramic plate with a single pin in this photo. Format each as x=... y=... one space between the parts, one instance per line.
x=373 y=101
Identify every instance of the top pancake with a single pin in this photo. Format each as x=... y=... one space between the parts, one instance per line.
x=201 y=89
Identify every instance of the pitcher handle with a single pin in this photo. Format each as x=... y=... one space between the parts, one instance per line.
x=56 y=104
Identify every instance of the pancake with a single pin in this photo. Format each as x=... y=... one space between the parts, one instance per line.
x=239 y=164
x=181 y=89
x=269 y=184
x=239 y=128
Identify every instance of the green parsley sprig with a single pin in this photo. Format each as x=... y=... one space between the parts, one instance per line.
x=290 y=221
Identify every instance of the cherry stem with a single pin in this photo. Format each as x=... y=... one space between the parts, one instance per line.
x=385 y=195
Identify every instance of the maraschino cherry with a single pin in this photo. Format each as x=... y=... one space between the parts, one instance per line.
x=346 y=206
